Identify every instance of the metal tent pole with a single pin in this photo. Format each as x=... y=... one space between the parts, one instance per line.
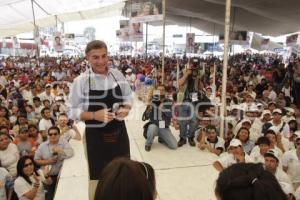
x=34 y=30
x=146 y=52
x=164 y=38
x=225 y=63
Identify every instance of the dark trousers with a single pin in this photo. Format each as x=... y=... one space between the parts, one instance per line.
x=50 y=189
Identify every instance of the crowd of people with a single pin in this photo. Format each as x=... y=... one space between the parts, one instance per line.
x=262 y=115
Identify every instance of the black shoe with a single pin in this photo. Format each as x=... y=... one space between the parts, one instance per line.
x=147 y=147
x=160 y=140
x=181 y=142
x=192 y=142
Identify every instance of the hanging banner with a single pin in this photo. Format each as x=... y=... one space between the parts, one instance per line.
x=292 y=40
x=190 y=42
x=236 y=37
x=58 y=44
x=16 y=43
x=123 y=33
x=144 y=10
x=265 y=44
x=260 y=43
x=136 y=32
x=36 y=36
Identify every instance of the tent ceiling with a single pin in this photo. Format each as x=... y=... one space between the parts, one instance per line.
x=269 y=17
x=16 y=16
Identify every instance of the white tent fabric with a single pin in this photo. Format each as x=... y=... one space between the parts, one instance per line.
x=269 y=17
x=16 y=15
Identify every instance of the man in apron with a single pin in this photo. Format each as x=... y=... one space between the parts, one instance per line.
x=102 y=98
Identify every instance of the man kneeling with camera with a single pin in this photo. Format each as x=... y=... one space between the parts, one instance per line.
x=159 y=114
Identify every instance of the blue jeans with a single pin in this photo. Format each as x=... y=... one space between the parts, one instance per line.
x=164 y=134
x=187 y=120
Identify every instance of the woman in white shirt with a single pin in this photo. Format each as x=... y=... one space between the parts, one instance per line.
x=29 y=183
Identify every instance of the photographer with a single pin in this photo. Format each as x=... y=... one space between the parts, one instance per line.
x=188 y=96
x=68 y=130
x=159 y=113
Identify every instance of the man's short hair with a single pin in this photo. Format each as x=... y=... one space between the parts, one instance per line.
x=95 y=44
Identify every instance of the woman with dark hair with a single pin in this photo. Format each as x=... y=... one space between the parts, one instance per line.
x=28 y=184
x=248 y=181
x=150 y=175
x=116 y=184
x=244 y=136
x=4 y=112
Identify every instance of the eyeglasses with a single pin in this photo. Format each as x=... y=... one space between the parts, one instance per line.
x=298 y=143
x=55 y=134
x=28 y=164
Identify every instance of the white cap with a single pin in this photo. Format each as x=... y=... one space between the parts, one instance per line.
x=59 y=98
x=235 y=106
x=297 y=133
x=128 y=70
x=246 y=120
x=277 y=110
x=265 y=112
x=253 y=108
x=48 y=85
x=290 y=119
x=274 y=128
x=273 y=153
x=250 y=83
x=287 y=188
x=290 y=110
x=235 y=143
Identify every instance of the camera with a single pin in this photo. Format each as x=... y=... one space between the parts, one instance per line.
x=156 y=98
x=195 y=67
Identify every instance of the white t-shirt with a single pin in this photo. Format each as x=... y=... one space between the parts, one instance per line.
x=44 y=124
x=297 y=194
x=21 y=187
x=291 y=161
x=229 y=160
x=3 y=177
x=285 y=130
x=256 y=149
x=219 y=144
x=9 y=159
x=281 y=176
x=70 y=134
x=43 y=96
x=257 y=157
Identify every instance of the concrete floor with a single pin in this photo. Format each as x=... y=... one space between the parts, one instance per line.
x=182 y=174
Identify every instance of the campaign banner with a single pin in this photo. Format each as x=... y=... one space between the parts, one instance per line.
x=16 y=43
x=292 y=40
x=144 y=10
x=265 y=44
x=58 y=44
x=190 y=42
x=260 y=43
x=136 y=32
x=236 y=37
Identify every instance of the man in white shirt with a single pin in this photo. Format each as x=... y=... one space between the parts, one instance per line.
x=45 y=123
x=211 y=141
x=236 y=154
x=291 y=162
x=47 y=94
x=272 y=160
x=130 y=77
x=264 y=145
